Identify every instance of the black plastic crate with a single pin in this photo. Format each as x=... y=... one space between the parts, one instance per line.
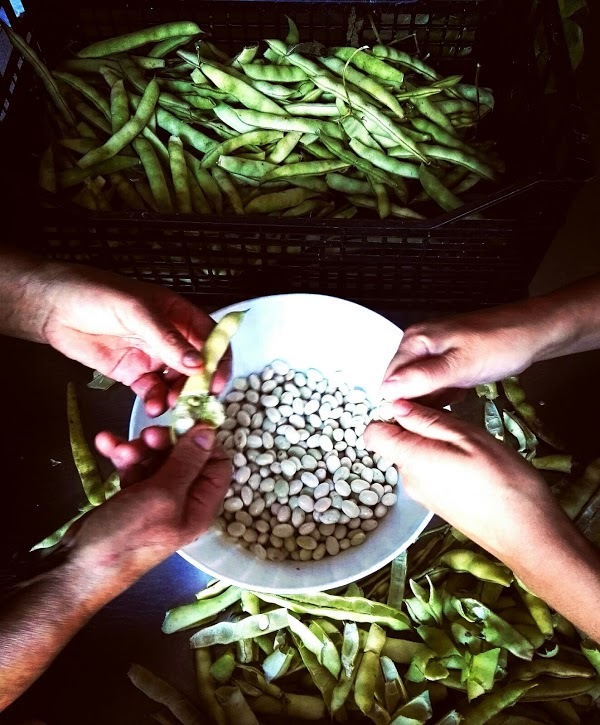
x=449 y=260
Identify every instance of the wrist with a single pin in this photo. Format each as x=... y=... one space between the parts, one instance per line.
x=26 y=295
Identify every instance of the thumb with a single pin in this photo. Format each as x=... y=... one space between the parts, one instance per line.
x=188 y=458
x=420 y=377
x=168 y=343
x=419 y=431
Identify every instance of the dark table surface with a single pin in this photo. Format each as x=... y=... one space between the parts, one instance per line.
x=41 y=490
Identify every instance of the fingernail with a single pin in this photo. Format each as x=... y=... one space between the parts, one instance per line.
x=192 y=359
x=401 y=407
x=392 y=387
x=204 y=438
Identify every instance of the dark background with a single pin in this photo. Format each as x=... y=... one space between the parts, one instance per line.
x=40 y=487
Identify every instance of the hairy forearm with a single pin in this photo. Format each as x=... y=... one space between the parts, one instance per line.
x=24 y=294
x=38 y=621
x=569 y=319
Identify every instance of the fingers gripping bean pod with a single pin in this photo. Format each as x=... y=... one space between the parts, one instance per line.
x=128 y=132
x=195 y=403
x=123 y=43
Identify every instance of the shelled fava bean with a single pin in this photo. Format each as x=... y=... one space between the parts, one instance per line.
x=304 y=486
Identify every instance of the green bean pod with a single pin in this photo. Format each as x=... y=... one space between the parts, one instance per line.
x=72 y=177
x=385 y=162
x=278 y=201
x=480 y=566
x=370 y=64
x=366 y=677
x=364 y=83
x=258 y=138
x=123 y=43
x=42 y=72
x=87 y=90
x=434 y=188
x=179 y=174
x=128 y=132
x=119 y=106
x=154 y=173
x=226 y=186
x=245 y=93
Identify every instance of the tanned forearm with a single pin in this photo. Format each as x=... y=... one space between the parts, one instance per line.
x=558 y=564
x=39 y=619
x=569 y=317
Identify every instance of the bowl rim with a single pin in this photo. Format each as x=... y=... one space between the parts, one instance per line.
x=364 y=572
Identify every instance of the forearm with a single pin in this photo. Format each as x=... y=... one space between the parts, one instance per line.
x=24 y=294
x=568 y=319
x=557 y=563
x=38 y=621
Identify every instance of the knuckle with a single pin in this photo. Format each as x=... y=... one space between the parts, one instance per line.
x=171 y=338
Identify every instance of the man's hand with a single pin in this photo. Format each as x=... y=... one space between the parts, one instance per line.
x=170 y=496
x=498 y=500
x=128 y=330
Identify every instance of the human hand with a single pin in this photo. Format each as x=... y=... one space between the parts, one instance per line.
x=128 y=330
x=465 y=350
x=480 y=486
x=170 y=496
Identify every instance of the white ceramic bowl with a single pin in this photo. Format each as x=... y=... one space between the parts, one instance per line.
x=329 y=334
